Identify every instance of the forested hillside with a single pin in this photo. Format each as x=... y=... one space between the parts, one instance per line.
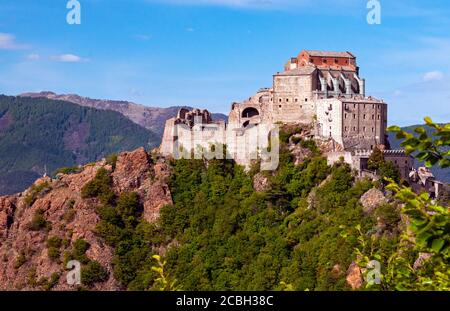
x=38 y=134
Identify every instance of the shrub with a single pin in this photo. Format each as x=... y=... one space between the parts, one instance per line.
x=54 y=242
x=311 y=145
x=69 y=170
x=54 y=279
x=78 y=252
x=376 y=159
x=54 y=254
x=35 y=191
x=53 y=245
x=69 y=215
x=99 y=187
x=38 y=222
x=20 y=260
x=92 y=273
x=112 y=160
x=129 y=208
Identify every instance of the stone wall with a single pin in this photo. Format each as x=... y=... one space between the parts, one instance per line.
x=293 y=98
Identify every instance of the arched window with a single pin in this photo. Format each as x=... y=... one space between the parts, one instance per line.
x=250 y=112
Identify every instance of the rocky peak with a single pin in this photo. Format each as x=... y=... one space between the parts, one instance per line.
x=56 y=208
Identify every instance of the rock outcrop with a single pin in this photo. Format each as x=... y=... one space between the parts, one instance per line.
x=371 y=200
x=65 y=214
x=261 y=183
x=354 y=276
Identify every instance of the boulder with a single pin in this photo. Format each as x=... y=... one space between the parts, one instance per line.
x=260 y=183
x=371 y=200
x=354 y=276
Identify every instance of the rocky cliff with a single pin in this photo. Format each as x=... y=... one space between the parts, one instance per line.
x=40 y=226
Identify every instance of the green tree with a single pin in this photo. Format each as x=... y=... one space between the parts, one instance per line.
x=376 y=159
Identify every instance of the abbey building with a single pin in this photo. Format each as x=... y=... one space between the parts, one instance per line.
x=322 y=90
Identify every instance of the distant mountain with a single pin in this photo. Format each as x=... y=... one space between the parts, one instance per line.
x=38 y=135
x=440 y=174
x=151 y=118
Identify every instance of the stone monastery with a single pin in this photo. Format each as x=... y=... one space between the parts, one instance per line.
x=322 y=90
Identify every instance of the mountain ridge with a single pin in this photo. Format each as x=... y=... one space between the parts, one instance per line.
x=152 y=118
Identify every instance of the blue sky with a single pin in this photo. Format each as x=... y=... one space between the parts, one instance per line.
x=209 y=53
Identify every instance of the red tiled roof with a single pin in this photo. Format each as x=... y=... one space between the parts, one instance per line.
x=330 y=54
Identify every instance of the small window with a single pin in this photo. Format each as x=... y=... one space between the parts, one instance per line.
x=296 y=100
x=378 y=117
x=345 y=129
x=354 y=129
x=373 y=129
x=279 y=106
x=364 y=116
x=280 y=100
x=354 y=116
x=354 y=105
x=287 y=100
x=325 y=61
x=301 y=106
x=373 y=117
x=345 y=116
x=364 y=129
x=306 y=99
x=336 y=61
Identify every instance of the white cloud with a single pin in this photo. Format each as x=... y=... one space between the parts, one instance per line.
x=433 y=76
x=190 y=29
x=8 y=42
x=33 y=57
x=69 y=58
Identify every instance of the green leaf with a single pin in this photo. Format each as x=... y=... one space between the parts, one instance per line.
x=437 y=245
x=422 y=238
x=428 y=121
